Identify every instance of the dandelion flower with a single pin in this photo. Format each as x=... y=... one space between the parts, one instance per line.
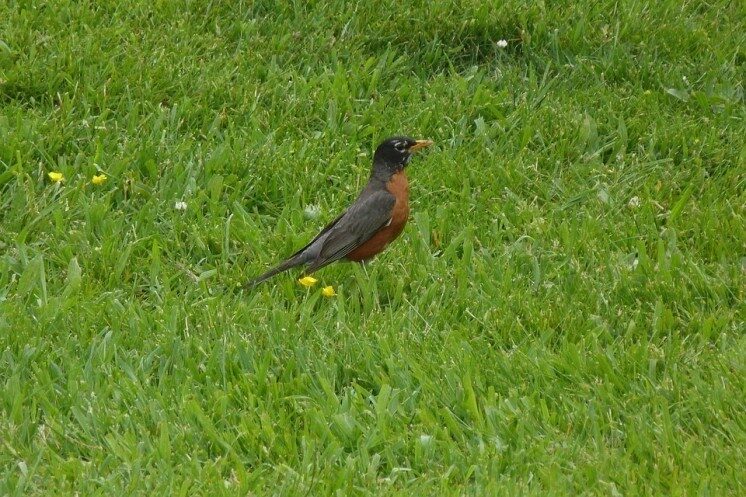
x=180 y=206
x=56 y=176
x=502 y=43
x=98 y=179
x=328 y=291
x=308 y=281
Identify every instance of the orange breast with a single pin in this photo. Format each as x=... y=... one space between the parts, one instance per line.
x=398 y=186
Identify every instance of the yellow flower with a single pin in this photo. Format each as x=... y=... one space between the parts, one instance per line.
x=308 y=281
x=98 y=179
x=55 y=176
x=328 y=291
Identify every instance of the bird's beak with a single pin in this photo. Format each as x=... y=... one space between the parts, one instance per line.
x=420 y=144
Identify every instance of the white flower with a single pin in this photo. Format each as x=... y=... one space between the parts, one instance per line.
x=311 y=211
x=634 y=203
x=502 y=43
x=180 y=206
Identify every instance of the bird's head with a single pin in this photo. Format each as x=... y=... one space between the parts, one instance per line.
x=394 y=153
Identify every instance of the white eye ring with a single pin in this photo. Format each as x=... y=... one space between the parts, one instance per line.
x=400 y=146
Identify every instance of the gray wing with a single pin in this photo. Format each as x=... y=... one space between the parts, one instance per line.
x=355 y=227
x=318 y=237
x=306 y=254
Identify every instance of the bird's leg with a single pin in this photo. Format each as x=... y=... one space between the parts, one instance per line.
x=361 y=272
x=364 y=265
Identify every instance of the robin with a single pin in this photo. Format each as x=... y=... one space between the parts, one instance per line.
x=373 y=221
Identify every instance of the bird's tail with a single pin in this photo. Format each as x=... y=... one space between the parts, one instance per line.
x=284 y=266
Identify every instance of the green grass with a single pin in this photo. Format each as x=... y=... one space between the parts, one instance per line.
x=563 y=315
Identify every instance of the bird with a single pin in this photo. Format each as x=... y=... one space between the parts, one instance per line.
x=375 y=219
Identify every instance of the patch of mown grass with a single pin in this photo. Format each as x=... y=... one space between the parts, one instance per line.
x=563 y=314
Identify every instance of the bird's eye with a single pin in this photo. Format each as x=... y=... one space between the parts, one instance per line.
x=400 y=146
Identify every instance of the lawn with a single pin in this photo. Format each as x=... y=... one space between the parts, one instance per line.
x=563 y=315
